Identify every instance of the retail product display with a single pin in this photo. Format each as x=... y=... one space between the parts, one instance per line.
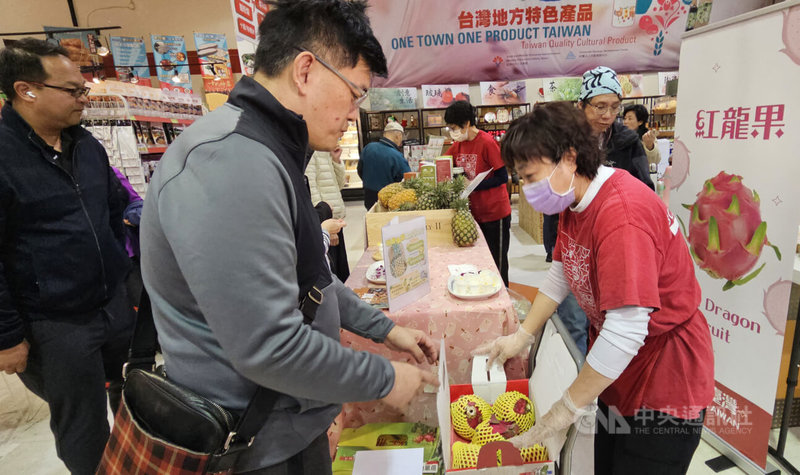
x=726 y=232
x=480 y=423
x=388 y=436
x=474 y=285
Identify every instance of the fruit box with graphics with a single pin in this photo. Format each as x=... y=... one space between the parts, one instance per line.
x=386 y=436
x=437 y=223
x=554 y=372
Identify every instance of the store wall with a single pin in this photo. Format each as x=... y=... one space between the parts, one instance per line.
x=172 y=17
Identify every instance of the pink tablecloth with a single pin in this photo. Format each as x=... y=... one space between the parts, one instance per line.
x=462 y=323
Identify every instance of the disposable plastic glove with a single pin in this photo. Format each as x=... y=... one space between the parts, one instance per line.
x=551 y=427
x=504 y=347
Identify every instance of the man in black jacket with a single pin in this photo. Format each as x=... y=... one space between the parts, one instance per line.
x=65 y=323
x=600 y=100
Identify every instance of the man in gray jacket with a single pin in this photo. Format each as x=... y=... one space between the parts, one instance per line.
x=232 y=252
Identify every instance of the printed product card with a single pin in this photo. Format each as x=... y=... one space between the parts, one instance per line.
x=405 y=254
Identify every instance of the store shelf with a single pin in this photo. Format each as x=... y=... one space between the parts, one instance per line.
x=165 y=120
x=156 y=149
x=666 y=133
x=663 y=111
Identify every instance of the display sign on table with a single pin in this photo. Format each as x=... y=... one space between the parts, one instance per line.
x=503 y=92
x=130 y=60
x=172 y=63
x=453 y=41
x=215 y=67
x=734 y=167
x=247 y=16
x=392 y=98
x=405 y=257
x=442 y=95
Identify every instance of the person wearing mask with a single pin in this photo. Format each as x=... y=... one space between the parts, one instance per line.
x=622 y=254
x=65 y=322
x=634 y=117
x=326 y=177
x=232 y=249
x=601 y=101
x=382 y=162
x=477 y=151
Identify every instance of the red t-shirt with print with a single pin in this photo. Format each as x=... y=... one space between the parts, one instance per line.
x=626 y=248
x=476 y=156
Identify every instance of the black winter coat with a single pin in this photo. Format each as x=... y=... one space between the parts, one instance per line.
x=624 y=150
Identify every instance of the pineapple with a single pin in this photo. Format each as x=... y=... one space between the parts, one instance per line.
x=458 y=185
x=513 y=406
x=443 y=195
x=407 y=207
x=403 y=196
x=413 y=184
x=426 y=200
x=386 y=193
x=467 y=412
x=465 y=231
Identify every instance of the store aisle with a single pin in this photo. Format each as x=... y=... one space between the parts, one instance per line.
x=26 y=443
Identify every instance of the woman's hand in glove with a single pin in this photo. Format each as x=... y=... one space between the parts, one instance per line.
x=548 y=427
x=504 y=347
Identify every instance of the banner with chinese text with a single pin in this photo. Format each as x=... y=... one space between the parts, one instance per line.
x=453 y=41
x=392 y=98
x=215 y=67
x=503 y=92
x=172 y=63
x=733 y=176
x=130 y=60
x=442 y=95
x=247 y=16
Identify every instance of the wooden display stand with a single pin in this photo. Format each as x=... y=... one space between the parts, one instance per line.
x=437 y=221
x=531 y=220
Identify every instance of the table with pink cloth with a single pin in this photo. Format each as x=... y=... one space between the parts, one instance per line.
x=463 y=324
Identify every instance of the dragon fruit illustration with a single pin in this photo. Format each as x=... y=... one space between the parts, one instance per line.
x=791 y=33
x=680 y=164
x=776 y=301
x=726 y=233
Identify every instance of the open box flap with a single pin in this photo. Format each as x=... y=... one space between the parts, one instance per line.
x=443 y=407
x=554 y=372
x=487 y=383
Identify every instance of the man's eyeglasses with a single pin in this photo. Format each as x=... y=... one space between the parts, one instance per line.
x=604 y=109
x=359 y=95
x=76 y=92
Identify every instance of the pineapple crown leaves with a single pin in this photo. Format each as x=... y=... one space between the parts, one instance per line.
x=460 y=204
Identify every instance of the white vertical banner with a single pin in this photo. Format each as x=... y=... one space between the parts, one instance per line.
x=734 y=172
x=247 y=16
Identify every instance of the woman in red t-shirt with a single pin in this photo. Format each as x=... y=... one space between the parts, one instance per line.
x=621 y=252
x=476 y=151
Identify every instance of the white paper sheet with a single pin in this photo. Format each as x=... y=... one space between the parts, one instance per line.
x=474 y=183
x=389 y=462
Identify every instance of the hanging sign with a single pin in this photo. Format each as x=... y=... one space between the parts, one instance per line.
x=130 y=60
x=215 y=67
x=172 y=63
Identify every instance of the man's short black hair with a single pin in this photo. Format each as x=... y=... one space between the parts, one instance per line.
x=336 y=30
x=459 y=113
x=22 y=61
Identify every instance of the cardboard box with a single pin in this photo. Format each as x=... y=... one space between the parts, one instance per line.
x=387 y=436
x=530 y=220
x=554 y=372
x=438 y=223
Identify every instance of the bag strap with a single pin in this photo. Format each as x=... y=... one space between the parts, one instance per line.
x=142 y=355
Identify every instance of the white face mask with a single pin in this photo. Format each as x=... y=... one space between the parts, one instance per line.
x=460 y=136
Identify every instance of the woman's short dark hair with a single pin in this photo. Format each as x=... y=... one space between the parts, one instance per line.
x=550 y=130
x=22 y=61
x=336 y=30
x=641 y=116
x=459 y=113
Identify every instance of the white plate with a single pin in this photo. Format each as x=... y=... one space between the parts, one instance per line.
x=374 y=275
x=502 y=116
x=490 y=117
x=498 y=284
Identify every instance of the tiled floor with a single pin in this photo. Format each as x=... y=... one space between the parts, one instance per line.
x=26 y=444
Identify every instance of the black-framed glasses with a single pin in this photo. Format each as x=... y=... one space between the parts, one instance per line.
x=604 y=109
x=359 y=97
x=76 y=92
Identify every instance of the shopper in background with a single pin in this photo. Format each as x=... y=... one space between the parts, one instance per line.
x=65 y=322
x=232 y=250
x=600 y=99
x=131 y=217
x=382 y=162
x=326 y=177
x=634 y=117
x=477 y=151
x=622 y=254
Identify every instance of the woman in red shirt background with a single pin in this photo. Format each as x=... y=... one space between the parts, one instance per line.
x=477 y=151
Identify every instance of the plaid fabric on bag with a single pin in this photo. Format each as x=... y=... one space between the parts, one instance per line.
x=132 y=451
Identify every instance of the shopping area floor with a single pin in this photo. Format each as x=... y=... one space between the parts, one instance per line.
x=26 y=443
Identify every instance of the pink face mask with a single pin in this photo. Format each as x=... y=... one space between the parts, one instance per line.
x=541 y=196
